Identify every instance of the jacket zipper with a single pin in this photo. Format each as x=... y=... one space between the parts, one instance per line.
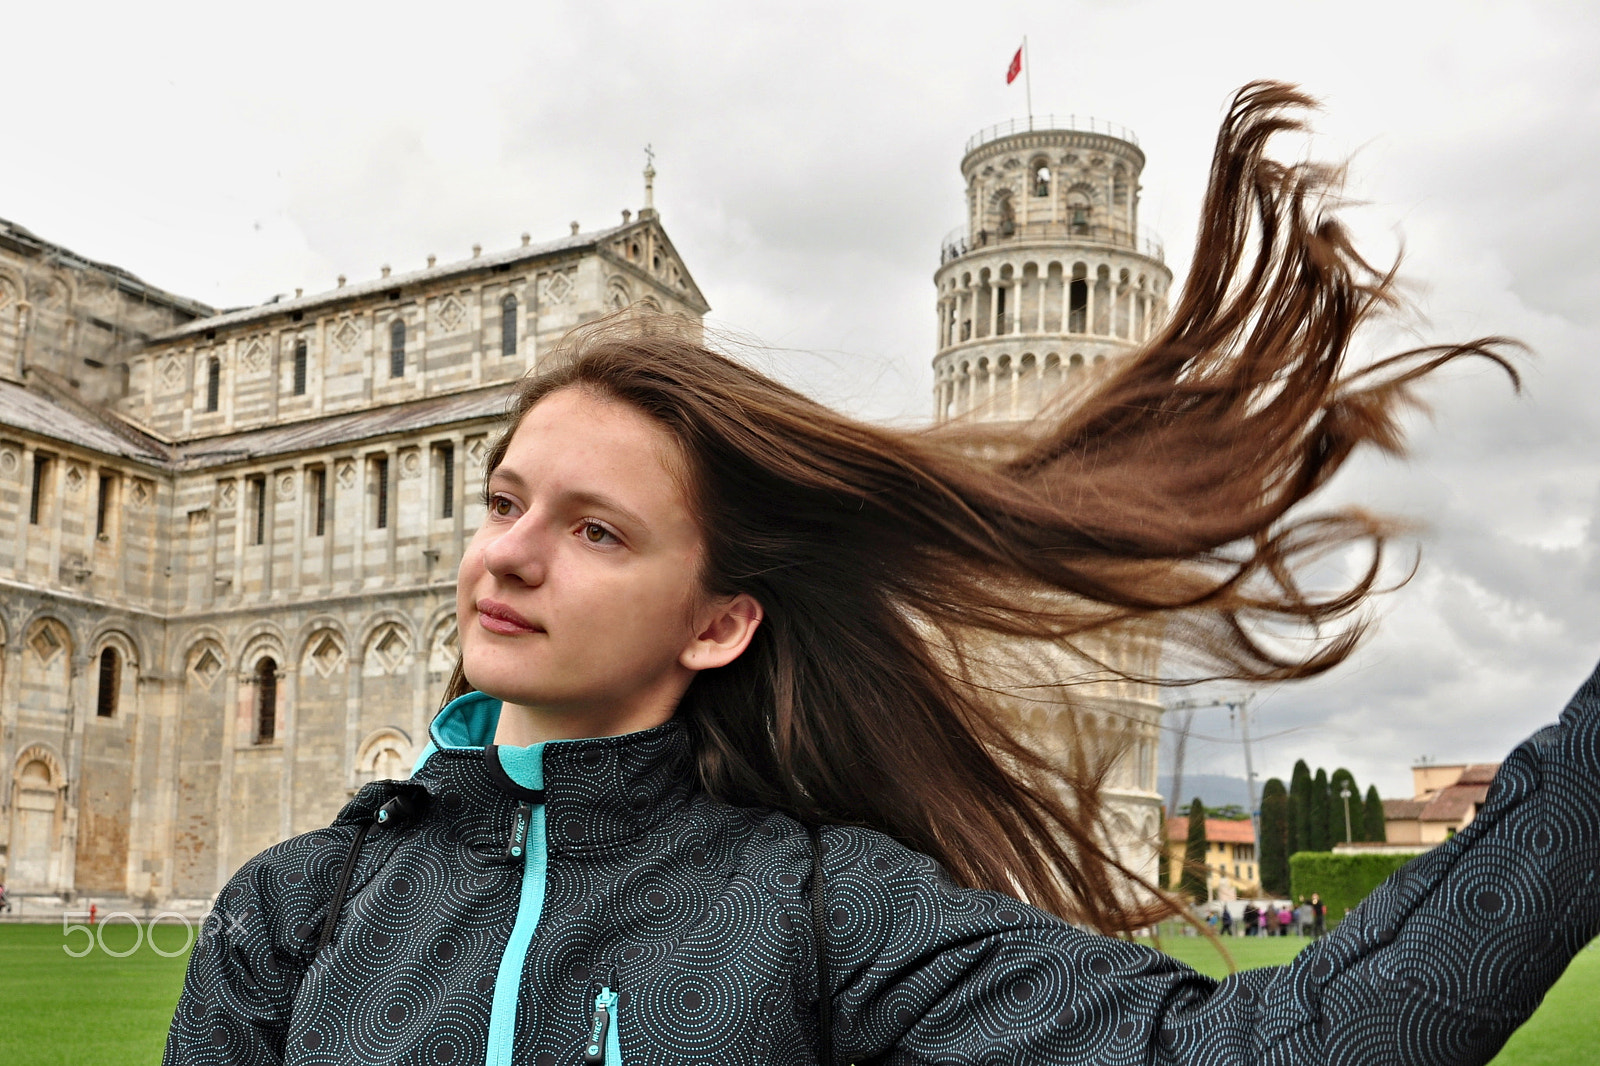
x=527 y=843
x=605 y=1045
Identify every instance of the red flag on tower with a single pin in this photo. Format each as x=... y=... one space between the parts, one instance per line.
x=1015 y=68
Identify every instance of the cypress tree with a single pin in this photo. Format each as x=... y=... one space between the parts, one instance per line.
x=1274 y=838
x=1376 y=828
x=1317 y=838
x=1299 y=807
x=1336 y=786
x=1193 y=881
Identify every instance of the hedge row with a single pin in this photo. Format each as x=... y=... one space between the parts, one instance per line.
x=1342 y=880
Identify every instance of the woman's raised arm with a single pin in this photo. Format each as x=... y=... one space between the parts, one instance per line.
x=1436 y=968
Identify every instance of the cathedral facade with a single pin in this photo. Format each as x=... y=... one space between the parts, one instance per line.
x=228 y=540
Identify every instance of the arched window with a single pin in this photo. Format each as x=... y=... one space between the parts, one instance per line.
x=508 y=325
x=300 y=367
x=1078 y=306
x=110 y=680
x=1008 y=216
x=1041 y=178
x=213 y=382
x=266 y=700
x=397 y=349
x=1078 y=217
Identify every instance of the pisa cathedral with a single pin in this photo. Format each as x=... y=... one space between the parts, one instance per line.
x=228 y=537
x=228 y=541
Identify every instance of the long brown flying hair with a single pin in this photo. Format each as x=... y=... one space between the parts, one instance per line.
x=888 y=559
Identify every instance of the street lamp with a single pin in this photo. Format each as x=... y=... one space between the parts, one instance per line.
x=1344 y=792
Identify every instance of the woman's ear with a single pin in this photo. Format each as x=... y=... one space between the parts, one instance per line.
x=722 y=632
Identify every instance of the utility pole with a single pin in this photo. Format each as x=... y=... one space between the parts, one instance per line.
x=1344 y=792
x=1240 y=706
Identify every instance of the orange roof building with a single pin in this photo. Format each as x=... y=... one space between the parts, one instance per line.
x=1447 y=799
x=1230 y=855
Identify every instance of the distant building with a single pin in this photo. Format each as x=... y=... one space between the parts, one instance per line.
x=1447 y=799
x=1230 y=856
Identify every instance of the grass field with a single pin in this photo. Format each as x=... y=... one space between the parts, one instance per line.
x=1565 y=1031
x=100 y=1010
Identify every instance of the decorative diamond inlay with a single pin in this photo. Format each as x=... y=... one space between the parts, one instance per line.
x=390 y=647
x=556 y=287
x=451 y=313
x=345 y=335
x=226 y=494
x=446 y=640
x=75 y=478
x=172 y=373
x=326 y=656
x=475 y=452
x=347 y=475
x=143 y=492
x=207 y=667
x=254 y=356
x=46 y=644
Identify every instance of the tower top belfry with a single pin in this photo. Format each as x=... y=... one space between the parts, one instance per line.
x=1051 y=275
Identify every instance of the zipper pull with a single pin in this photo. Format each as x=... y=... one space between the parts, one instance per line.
x=594 y=1053
x=517 y=846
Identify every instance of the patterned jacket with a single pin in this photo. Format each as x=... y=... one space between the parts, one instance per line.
x=581 y=902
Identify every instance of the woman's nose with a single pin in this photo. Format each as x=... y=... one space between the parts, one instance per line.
x=520 y=552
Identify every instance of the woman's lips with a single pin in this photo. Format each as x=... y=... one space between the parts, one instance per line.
x=496 y=617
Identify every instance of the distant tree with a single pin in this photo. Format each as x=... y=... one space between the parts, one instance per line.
x=1317 y=836
x=1275 y=838
x=1299 y=808
x=1193 y=881
x=1230 y=813
x=1376 y=829
x=1336 y=824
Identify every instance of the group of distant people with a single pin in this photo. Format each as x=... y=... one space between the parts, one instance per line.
x=1309 y=917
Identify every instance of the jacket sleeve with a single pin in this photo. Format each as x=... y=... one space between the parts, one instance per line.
x=252 y=949
x=1435 y=968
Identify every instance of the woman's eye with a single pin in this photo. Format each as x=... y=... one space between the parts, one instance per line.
x=595 y=533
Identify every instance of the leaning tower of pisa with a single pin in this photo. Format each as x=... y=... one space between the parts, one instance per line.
x=1049 y=280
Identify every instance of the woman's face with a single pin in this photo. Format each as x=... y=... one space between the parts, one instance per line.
x=579 y=597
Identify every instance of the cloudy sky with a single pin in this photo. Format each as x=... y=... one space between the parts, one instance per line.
x=808 y=158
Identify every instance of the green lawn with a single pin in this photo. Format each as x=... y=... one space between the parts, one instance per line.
x=1565 y=1031
x=97 y=1010
x=56 y=1010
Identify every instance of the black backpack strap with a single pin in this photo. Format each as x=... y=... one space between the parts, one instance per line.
x=819 y=926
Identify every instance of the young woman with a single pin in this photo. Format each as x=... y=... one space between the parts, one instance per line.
x=706 y=616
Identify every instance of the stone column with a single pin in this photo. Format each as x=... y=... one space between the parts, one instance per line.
x=288 y=725
x=77 y=693
x=237 y=688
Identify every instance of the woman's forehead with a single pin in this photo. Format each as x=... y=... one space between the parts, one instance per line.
x=580 y=442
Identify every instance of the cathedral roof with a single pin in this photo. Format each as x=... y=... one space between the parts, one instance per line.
x=377 y=286
x=35 y=411
x=28 y=243
x=332 y=430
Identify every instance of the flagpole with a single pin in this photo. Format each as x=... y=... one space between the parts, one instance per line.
x=1027 y=78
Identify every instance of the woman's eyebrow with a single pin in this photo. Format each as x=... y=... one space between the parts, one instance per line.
x=581 y=497
x=602 y=502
